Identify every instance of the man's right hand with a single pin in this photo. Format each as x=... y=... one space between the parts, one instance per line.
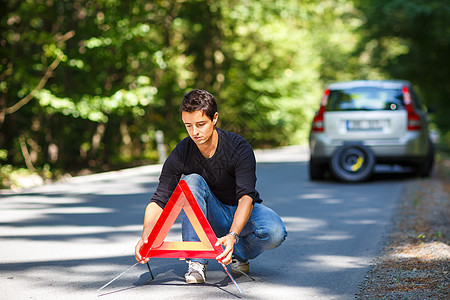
x=137 y=251
x=152 y=214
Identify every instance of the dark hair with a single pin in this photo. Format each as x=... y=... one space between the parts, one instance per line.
x=199 y=100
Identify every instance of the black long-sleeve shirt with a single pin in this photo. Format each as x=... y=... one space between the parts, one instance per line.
x=230 y=173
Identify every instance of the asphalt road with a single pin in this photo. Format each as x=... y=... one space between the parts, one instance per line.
x=66 y=240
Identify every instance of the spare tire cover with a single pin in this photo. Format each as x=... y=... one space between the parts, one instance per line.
x=352 y=163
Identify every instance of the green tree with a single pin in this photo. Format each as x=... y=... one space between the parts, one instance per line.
x=88 y=83
x=411 y=40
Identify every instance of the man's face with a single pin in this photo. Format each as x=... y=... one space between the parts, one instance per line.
x=199 y=126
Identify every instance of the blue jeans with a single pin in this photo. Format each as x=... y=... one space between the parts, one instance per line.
x=263 y=231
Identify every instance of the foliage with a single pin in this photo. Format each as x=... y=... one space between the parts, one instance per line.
x=411 y=40
x=88 y=83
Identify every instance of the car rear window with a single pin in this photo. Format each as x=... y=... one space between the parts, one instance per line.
x=365 y=98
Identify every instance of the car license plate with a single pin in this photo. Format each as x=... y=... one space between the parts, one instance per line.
x=366 y=125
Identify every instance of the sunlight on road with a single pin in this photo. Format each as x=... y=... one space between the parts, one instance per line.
x=67 y=231
x=333 y=263
x=295 y=224
x=332 y=237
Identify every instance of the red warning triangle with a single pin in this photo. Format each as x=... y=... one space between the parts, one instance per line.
x=182 y=198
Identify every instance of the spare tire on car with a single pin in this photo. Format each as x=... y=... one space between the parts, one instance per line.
x=352 y=163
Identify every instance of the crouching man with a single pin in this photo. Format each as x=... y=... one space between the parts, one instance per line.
x=219 y=168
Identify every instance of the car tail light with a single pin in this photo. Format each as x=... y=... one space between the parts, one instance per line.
x=413 y=117
x=318 y=125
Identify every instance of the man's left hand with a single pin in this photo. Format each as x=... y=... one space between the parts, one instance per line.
x=228 y=241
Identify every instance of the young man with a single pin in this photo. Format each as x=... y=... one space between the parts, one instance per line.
x=219 y=168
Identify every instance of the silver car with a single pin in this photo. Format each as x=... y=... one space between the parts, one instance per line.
x=362 y=123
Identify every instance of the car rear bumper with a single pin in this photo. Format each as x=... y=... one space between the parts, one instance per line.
x=411 y=147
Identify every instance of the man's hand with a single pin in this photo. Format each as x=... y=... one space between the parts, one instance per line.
x=241 y=216
x=137 y=251
x=152 y=213
x=228 y=241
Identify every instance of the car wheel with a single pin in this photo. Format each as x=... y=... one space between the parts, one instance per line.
x=316 y=170
x=424 y=170
x=352 y=163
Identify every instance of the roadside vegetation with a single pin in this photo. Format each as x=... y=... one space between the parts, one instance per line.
x=415 y=262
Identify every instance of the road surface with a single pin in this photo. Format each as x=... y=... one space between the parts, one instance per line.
x=66 y=240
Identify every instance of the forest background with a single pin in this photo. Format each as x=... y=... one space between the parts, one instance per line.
x=89 y=85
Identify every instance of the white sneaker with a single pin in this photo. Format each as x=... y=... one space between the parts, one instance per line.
x=196 y=272
x=238 y=267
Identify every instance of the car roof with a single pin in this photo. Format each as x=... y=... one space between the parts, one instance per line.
x=369 y=83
